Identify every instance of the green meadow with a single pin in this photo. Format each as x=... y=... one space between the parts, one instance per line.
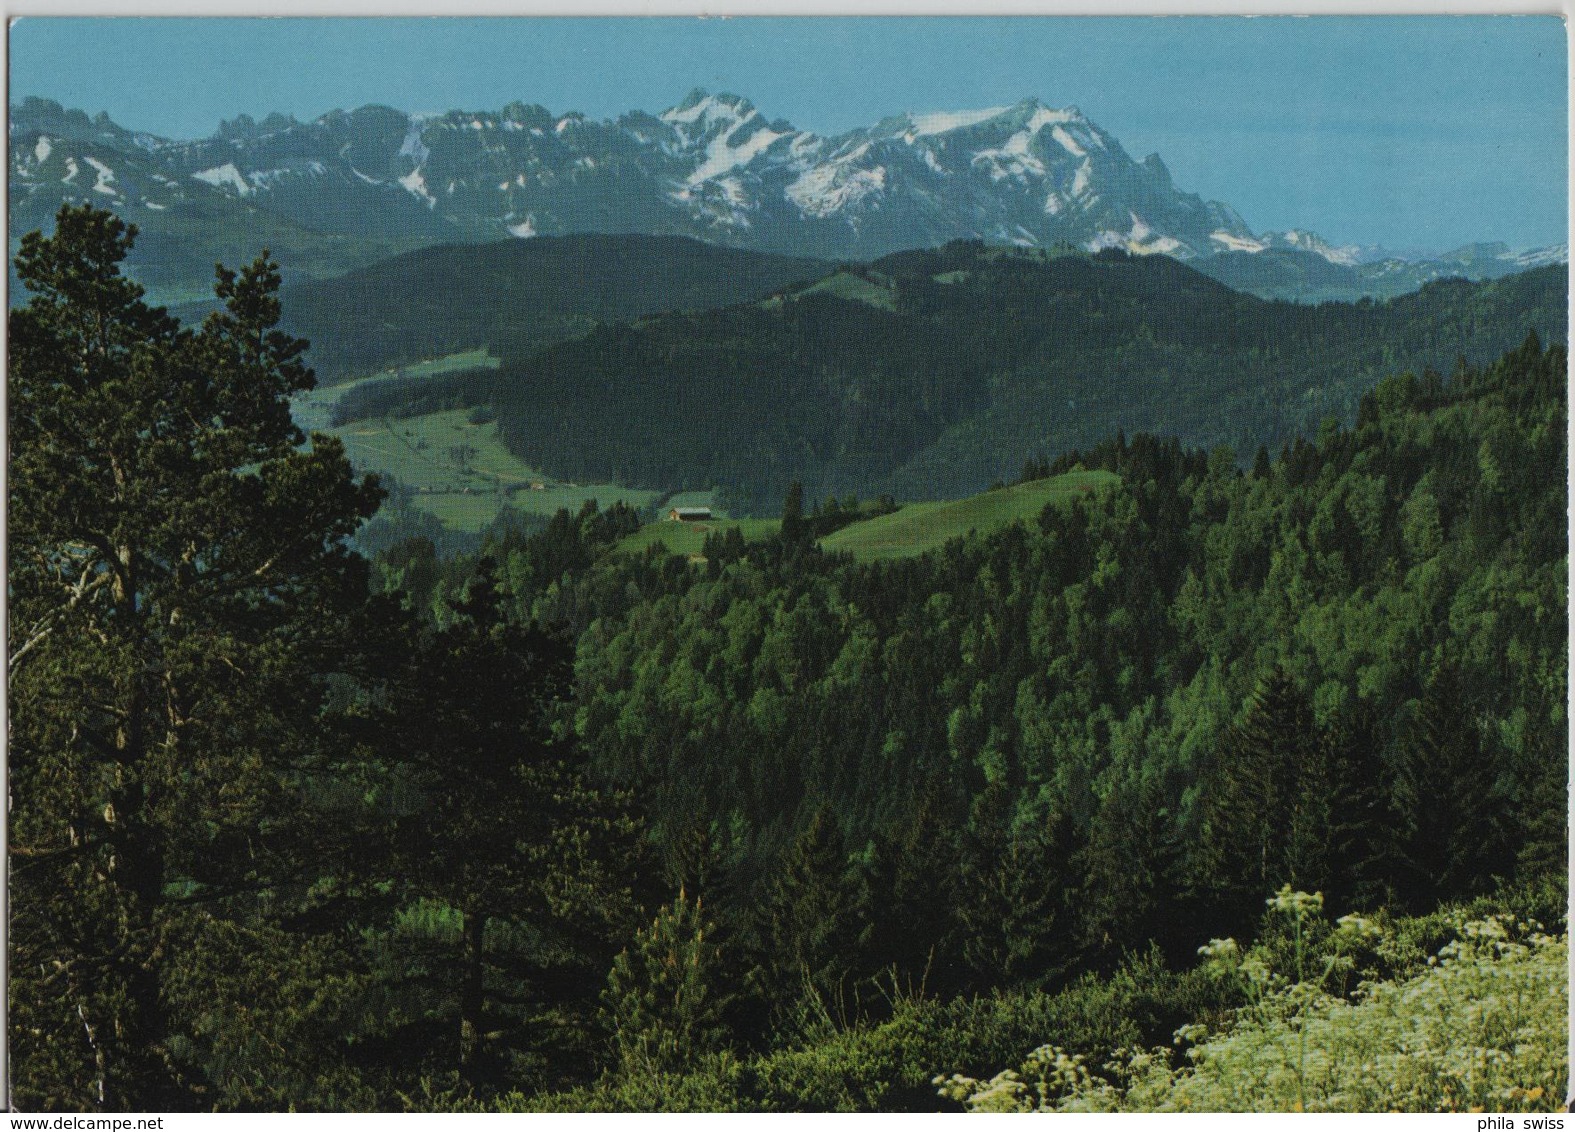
x=689 y=538
x=919 y=527
x=459 y=469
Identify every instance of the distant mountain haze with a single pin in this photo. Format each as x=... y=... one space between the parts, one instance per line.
x=353 y=187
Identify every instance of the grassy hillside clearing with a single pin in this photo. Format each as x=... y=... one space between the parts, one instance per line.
x=459 y=470
x=919 y=527
x=873 y=289
x=913 y=529
x=689 y=538
x=314 y=409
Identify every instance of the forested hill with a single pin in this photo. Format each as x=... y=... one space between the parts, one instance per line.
x=932 y=374
x=1028 y=754
x=519 y=294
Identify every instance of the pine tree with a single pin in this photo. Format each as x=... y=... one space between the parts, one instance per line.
x=662 y=999
x=180 y=590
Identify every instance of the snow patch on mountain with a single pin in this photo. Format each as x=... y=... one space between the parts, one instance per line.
x=827 y=189
x=708 y=110
x=42 y=150
x=722 y=156
x=525 y=229
x=1044 y=116
x=1540 y=257
x=267 y=178
x=1085 y=173
x=1234 y=243
x=1164 y=245
x=106 y=177
x=1311 y=242
x=1013 y=158
x=415 y=184
x=226 y=174
x=72 y=169
x=733 y=191
x=1068 y=142
x=413 y=147
x=944 y=121
x=1138 y=241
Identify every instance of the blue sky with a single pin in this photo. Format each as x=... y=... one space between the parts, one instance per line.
x=1411 y=132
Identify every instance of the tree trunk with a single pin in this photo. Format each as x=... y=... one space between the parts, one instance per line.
x=471 y=996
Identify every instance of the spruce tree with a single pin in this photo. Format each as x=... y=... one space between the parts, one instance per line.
x=1258 y=827
x=1452 y=820
x=794 y=527
x=500 y=827
x=807 y=928
x=1011 y=891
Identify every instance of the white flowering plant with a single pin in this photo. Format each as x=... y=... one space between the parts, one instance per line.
x=1482 y=1026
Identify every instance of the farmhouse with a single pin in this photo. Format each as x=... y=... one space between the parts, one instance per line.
x=690 y=515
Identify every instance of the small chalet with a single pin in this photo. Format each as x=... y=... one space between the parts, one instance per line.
x=690 y=515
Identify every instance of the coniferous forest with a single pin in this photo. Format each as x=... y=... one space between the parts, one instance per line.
x=557 y=826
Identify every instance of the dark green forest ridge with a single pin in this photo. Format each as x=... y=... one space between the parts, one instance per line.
x=983 y=359
x=518 y=296
x=929 y=375
x=559 y=826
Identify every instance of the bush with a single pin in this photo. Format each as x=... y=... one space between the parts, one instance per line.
x=1483 y=1026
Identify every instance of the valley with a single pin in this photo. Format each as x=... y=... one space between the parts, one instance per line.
x=453 y=466
x=925 y=376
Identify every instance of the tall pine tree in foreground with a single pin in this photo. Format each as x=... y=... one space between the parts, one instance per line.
x=179 y=591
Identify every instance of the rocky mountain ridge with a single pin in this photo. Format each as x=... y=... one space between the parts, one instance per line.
x=711 y=167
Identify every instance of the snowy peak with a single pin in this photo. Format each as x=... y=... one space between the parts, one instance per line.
x=945 y=121
x=703 y=116
x=719 y=134
x=1302 y=241
x=1029 y=115
x=700 y=104
x=1539 y=257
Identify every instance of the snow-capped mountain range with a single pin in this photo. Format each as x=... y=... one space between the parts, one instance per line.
x=711 y=167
